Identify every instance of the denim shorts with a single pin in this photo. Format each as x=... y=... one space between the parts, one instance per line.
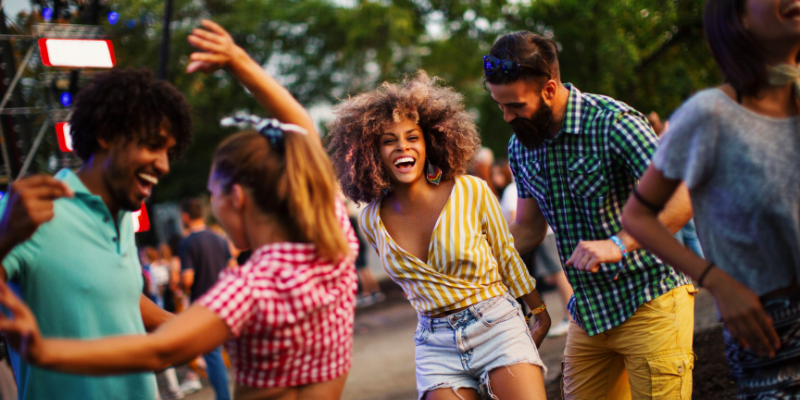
x=460 y=350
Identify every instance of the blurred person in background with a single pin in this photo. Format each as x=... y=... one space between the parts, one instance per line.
x=575 y=157
x=737 y=148
x=370 y=290
x=501 y=175
x=482 y=168
x=204 y=254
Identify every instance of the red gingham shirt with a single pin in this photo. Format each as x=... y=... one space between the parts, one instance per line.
x=291 y=313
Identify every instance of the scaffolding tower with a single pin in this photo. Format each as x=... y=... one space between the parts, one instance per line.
x=17 y=146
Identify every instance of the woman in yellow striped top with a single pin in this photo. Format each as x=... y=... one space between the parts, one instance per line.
x=404 y=149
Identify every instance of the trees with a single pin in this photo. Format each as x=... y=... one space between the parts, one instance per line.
x=648 y=53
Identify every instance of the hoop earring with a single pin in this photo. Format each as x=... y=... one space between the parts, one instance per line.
x=432 y=173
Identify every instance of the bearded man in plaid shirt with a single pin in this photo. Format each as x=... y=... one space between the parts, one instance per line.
x=576 y=158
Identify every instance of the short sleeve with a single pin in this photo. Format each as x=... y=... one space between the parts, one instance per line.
x=687 y=150
x=632 y=142
x=19 y=257
x=231 y=299
x=183 y=254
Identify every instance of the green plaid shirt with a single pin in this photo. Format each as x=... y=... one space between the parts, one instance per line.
x=581 y=180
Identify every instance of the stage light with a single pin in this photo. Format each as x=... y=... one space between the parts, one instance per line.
x=113 y=17
x=66 y=99
x=47 y=14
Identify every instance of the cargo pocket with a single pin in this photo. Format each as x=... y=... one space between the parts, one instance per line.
x=671 y=376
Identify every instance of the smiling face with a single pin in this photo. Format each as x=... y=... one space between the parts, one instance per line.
x=773 y=22
x=527 y=109
x=133 y=168
x=402 y=149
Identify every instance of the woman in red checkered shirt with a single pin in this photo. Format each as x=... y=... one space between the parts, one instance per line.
x=286 y=316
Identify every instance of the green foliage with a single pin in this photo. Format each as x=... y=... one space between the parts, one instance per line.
x=648 y=53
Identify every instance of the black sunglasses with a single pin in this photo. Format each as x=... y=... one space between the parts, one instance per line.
x=508 y=68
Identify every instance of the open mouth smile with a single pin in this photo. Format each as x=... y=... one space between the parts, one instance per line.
x=404 y=164
x=145 y=183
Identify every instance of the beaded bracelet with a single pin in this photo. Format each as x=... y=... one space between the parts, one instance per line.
x=531 y=313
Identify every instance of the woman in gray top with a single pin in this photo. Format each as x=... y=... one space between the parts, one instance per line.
x=737 y=148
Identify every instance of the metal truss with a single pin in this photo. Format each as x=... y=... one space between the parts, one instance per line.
x=49 y=31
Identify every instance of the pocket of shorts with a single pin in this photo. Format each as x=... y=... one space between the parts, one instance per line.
x=671 y=378
x=501 y=311
x=421 y=336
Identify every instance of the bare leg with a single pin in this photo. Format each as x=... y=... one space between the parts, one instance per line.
x=447 y=393
x=517 y=382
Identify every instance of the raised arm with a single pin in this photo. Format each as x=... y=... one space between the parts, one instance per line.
x=195 y=332
x=219 y=51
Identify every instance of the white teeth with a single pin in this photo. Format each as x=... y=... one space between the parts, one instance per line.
x=790 y=7
x=150 y=178
x=403 y=160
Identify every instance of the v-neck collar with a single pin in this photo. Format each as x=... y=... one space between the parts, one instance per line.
x=399 y=248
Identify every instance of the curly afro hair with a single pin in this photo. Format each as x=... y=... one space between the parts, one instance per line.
x=132 y=104
x=451 y=137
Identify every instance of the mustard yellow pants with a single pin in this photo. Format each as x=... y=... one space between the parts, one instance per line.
x=649 y=356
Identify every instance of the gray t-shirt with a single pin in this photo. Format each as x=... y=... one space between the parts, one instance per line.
x=743 y=174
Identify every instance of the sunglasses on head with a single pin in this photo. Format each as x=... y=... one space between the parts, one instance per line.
x=509 y=68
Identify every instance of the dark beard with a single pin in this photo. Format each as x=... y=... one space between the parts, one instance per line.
x=114 y=180
x=532 y=132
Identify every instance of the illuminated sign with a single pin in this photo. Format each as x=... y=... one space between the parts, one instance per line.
x=77 y=53
x=141 y=222
x=64 y=138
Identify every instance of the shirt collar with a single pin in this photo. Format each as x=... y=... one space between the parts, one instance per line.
x=71 y=179
x=572 y=116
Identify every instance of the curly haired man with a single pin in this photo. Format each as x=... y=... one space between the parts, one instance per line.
x=67 y=241
x=576 y=157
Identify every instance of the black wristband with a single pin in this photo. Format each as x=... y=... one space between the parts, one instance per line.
x=705 y=272
x=656 y=209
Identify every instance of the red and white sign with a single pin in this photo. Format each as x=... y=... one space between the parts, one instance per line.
x=141 y=222
x=77 y=53
x=64 y=138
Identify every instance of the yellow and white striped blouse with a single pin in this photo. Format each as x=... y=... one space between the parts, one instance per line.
x=471 y=256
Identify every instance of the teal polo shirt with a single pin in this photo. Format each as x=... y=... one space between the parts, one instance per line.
x=82 y=279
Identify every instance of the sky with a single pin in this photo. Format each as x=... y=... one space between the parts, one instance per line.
x=12 y=7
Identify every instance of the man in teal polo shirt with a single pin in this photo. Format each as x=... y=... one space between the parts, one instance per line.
x=68 y=243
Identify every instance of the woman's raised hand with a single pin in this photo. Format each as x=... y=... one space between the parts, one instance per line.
x=217 y=48
x=21 y=330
